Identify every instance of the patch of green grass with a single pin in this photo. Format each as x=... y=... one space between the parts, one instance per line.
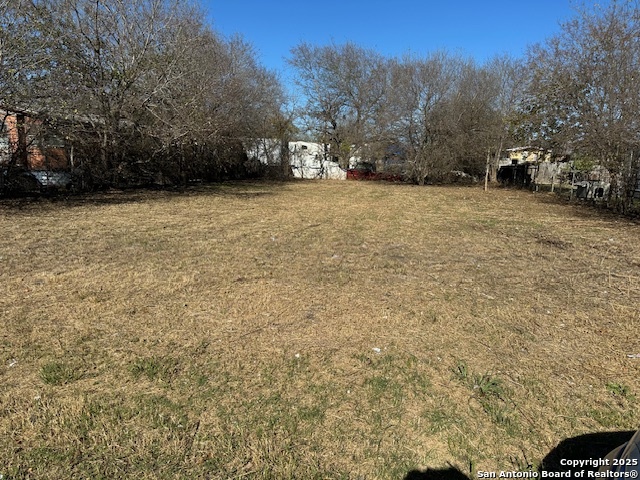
x=618 y=389
x=393 y=370
x=613 y=416
x=313 y=414
x=465 y=451
x=492 y=395
x=440 y=419
x=378 y=386
x=202 y=380
x=41 y=460
x=483 y=385
x=59 y=373
x=488 y=223
x=155 y=368
x=461 y=371
x=502 y=415
x=488 y=386
x=417 y=381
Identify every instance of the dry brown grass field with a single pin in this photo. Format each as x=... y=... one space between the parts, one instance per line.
x=310 y=330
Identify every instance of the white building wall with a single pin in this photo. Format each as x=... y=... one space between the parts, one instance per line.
x=307 y=159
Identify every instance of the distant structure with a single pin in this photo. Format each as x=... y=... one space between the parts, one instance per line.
x=307 y=159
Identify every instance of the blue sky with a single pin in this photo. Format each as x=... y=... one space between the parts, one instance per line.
x=479 y=29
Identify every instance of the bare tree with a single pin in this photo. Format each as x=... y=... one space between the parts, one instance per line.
x=24 y=55
x=101 y=61
x=585 y=91
x=213 y=93
x=420 y=91
x=136 y=85
x=474 y=119
x=442 y=112
x=344 y=87
x=510 y=78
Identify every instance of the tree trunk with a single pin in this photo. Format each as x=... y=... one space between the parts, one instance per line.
x=285 y=164
x=486 y=173
x=493 y=171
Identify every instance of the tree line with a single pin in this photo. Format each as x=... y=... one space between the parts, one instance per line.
x=439 y=113
x=139 y=87
x=583 y=95
x=144 y=87
x=576 y=95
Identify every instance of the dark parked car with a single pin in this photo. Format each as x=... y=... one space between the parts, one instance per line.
x=20 y=181
x=51 y=180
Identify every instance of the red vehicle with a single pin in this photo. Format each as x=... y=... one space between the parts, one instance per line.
x=367 y=171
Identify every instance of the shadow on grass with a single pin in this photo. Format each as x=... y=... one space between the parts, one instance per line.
x=584 y=447
x=587 y=208
x=239 y=189
x=450 y=473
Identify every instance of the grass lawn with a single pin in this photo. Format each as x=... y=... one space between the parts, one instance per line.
x=310 y=330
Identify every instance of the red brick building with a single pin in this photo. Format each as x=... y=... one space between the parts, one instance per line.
x=26 y=140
